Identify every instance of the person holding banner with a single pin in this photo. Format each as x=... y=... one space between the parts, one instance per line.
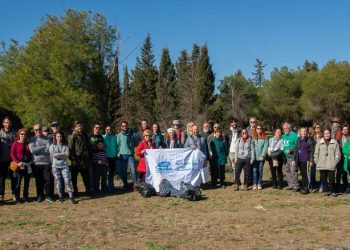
x=146 y=143
x=194 y=141
x=244 y=159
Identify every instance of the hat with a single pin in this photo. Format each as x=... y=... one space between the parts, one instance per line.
x=169 y=130
x=54 y=124
x=176 y=122
x=335 y=119
x=45 y=128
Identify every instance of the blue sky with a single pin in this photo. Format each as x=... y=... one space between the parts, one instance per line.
x=237 y=32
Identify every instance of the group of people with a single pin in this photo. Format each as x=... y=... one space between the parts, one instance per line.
x=50 y=157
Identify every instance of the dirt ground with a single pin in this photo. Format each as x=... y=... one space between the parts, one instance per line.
x=224 y=219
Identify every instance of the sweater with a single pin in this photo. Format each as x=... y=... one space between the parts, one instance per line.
x=260 y=148
x=244 y=150
x=6 y=140
x=289 y=142
x=326 y=156
x=159 y=141
x=20 y=152
x=57 y=160
x=111 y=146
x=126 y=142
x=39 y=146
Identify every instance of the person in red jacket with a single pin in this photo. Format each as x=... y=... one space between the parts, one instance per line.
x=146 y=143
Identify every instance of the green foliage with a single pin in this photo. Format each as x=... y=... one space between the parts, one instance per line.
x=259 y=76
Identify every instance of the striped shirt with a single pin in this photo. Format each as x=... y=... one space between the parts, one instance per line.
x=99 y=157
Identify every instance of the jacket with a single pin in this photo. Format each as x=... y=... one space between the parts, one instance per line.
x=218 y=151
x=245 y=150
x=126 y=142
x=58 y=161
x=111 y=146
x=260 y=148
x=79 y=145
x=40 y=149
x=177 y=144
x=159 y=141
x=6 y=140
x=289 y=142
x=199 y=142
x=228 y=138
x=142 y=146
x=310 y=146
x=327 y=157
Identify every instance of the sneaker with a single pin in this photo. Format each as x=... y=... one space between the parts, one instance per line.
x=321 y=190
x=40 y=199
x=223 y=186
x=245 y=188
x=49 y=199
x=73 y=201
x=326 y=194
x=235 y=188
x=259 y=187
x=333 y=194
x=255 y=187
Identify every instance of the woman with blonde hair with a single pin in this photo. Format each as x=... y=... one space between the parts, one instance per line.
x=146 y=143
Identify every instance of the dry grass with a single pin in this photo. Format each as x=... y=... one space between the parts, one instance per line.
x=225 y=219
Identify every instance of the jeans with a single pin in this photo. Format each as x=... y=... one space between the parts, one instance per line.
x=291 y=174
x=111 y=172
x=258 y=172
x=242 y=164
x=63 y=176
x=330 y=175
x=19 y=175
x=43 y=180
x=126 y=160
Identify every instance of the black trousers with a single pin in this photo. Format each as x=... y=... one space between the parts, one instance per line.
x=111 y=172
x=43 y=180
x=276 y=172
x=330 y=176
x=100 y=177
x=245 y=165
x=341 y=175
x=84 y=174
x=303 y=170
x=19 y=175
x=218 y=172
x=4 y=166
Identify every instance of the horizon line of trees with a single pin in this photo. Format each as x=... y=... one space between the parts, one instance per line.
x=69 y=69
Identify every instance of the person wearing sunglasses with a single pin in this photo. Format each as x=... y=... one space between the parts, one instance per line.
x=126 y=141
x=252 y=126
x=40 y=148
x=244 y=158
x=260 y=149
x=22 y=157
x=146 y=143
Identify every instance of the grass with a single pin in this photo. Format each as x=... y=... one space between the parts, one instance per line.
x=152 y=245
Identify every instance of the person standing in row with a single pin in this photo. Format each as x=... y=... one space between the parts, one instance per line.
x=232 y=135
x=157 y=136
x=111 y=147
x=144 y=127
x=79 y=145
x=146 y=143
x=22 y=157
x=179 y=134
x=100 y=164
x=94 y=138
x=289 y=142
x=213 y=165
x=171 y=140
x=195 y=141
x=40 y=149
x=341 y=174
x=327 y=155
x=276 y=159
x=126 y=142
x=244 y=158
x=260 y=149
x=218 y=155
x=303 y=157
x=7 y=137
x=316 y=136
x=59 y=153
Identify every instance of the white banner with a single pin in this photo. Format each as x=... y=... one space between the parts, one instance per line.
x=175 y=165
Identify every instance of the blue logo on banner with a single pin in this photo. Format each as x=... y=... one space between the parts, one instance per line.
x=164 y=167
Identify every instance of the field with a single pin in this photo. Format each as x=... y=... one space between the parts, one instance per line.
x=224 y=219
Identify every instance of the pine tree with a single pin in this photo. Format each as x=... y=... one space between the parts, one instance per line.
x=114 y=96
x=204 y=85
x=259 y=73
x=165 y=100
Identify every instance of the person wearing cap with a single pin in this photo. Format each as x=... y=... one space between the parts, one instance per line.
x=146 y=143
x=179 y=134
x=55 y=127
x=144 y=127
x=335 y=129
x=171 y=140
x=45 y=131
x=39 y=146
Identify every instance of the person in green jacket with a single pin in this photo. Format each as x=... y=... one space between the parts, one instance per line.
x=218 y=152
x=260 y=144
x=111 y=147
x=289 y=141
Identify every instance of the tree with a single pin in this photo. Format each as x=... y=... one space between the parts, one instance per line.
x=204 y=85
x=259 y=73
x=165 y=89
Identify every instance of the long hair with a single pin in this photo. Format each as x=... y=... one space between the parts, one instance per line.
x=22 y=130
x=159 y=131
x=262 y=134
x=63 y=141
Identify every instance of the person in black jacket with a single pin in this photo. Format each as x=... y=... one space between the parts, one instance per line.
x=303 y=157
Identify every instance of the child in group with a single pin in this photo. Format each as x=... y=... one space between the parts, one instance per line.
x=59 y=153
x=100 y=167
